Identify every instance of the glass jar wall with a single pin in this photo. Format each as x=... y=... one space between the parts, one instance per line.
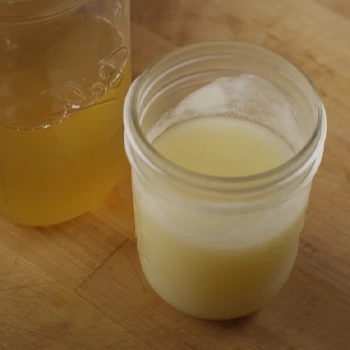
x=64 y=74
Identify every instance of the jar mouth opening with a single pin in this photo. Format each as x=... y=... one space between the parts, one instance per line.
x=298 y=163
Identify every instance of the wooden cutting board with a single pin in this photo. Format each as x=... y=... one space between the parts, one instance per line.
x=79 y=286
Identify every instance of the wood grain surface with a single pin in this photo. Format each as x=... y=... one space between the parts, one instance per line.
x=79 y=285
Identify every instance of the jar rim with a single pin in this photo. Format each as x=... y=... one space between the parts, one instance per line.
x=298 y=163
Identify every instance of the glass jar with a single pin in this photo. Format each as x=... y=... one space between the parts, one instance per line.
x=64 y=74
x=218 y=247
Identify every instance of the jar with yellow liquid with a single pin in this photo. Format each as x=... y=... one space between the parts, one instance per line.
x=64 y=74
x=224 y=139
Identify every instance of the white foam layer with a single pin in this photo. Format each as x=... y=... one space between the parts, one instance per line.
x=246 y=97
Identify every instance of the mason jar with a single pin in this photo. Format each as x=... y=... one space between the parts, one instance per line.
x=221 y=247
x=64 y=74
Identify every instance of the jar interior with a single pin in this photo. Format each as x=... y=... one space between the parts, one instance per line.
x=283 y=101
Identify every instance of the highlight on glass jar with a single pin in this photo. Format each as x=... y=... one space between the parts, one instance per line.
x=64 y=74
x=224 y=139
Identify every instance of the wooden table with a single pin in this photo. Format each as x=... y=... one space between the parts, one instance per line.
x=79 y=285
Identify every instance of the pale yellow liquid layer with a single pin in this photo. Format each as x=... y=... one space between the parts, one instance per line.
x=222 y=146
x=57 y=162
x=254 y=252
